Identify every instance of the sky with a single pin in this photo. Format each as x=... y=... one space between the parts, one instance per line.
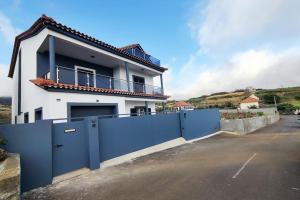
x=207 y=45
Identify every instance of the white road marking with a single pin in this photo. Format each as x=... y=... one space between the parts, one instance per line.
x=244 y=165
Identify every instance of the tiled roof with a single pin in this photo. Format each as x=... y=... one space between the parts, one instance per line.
x=44 y=83
x=45 y=21
x=249 y=100
x=181 y=104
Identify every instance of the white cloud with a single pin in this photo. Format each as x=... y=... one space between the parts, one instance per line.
x=230 y=22
x=6 y=84
x=235 y=36
x=7 y=30
x=258 y=68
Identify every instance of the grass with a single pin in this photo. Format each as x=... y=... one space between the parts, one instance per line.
x=5 y=114
x=233 y=99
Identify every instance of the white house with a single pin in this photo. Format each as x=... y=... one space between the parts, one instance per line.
x=251 y=101
x=181 y=105
x=59 y=72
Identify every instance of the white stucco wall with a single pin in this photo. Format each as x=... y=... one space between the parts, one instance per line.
x=132 y=104
x=34 y=97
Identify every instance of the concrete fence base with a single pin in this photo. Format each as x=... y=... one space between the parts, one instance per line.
x=248 y=125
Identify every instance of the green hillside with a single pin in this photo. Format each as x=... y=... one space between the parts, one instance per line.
x=288 y=99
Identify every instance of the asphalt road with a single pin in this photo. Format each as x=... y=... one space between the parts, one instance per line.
x=262 y=165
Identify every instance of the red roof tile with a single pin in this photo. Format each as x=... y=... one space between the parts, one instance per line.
x=51 y=84
x=249 y=100
x=45 y=21
x=181 y=104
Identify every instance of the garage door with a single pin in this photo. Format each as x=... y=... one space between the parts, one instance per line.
x=85 y=111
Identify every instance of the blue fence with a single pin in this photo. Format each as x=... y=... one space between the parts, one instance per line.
x=119 y=136
x=49 y=149
x=34 y=144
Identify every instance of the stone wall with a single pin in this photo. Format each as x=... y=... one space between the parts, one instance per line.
x=10 y=178
x=247 y=125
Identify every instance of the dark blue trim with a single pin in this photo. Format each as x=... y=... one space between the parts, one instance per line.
x=127 y=76
x=52 y=64
x=37 y=110
x=73 y=104
x=26 y=118
x=161 y=84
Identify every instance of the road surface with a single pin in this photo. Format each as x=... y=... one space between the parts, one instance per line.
x=262 y=165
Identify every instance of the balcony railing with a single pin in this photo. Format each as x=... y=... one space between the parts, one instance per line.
x=84 y=78
x=142 y=55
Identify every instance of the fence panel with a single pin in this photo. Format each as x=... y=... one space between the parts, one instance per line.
x=120 y=136
x=199 y=123
x=33 y=143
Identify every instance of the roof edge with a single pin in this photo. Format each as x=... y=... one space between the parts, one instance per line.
x=47 y=22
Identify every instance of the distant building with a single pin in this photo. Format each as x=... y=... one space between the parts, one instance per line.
x=181 y=105
x=251 y=101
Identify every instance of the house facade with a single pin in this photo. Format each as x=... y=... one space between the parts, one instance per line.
x=181 y=105
x=59 y=72
x=250 y=102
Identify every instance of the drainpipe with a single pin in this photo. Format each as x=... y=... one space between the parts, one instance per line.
x=127 y=76
x=161 y=84
x=52 y=65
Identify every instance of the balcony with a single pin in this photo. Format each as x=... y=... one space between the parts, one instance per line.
x=140 y=54
x=88 y=78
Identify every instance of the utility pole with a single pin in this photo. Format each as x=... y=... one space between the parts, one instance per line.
x=275 y=101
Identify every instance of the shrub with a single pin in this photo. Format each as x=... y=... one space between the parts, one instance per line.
x=253 y=107
x=3 y=154
x=297 y=97
x=260 y=114
x=286 y=108
x=269 y=98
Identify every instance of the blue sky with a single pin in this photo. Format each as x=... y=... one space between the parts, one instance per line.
x=208 y=46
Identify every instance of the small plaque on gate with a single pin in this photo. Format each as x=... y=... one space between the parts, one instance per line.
x=70 y=130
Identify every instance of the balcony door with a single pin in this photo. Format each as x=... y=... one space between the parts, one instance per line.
x=85 y=76
x=138 y=84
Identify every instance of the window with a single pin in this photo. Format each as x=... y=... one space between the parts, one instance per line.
x=138 y=111
x=38 y=114
x=26 y=117
x=16 y=121
x=138 y=84
x=85 y=76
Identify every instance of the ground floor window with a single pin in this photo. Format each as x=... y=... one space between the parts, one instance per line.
x=38 y=114
x=138 y=111
x=26 y=117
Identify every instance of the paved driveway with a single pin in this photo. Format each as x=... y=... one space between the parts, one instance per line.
x=262 y=165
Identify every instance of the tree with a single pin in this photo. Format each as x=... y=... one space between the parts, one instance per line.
x=269 y=98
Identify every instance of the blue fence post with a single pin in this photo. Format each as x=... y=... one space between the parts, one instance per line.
x=93 y=142
x=182 y=117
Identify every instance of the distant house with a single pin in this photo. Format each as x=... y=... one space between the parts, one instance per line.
x=251 y=101
x=181 y=105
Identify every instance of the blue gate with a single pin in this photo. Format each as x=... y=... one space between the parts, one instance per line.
x=70 y=147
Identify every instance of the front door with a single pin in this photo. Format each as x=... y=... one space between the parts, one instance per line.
x=138 y=84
